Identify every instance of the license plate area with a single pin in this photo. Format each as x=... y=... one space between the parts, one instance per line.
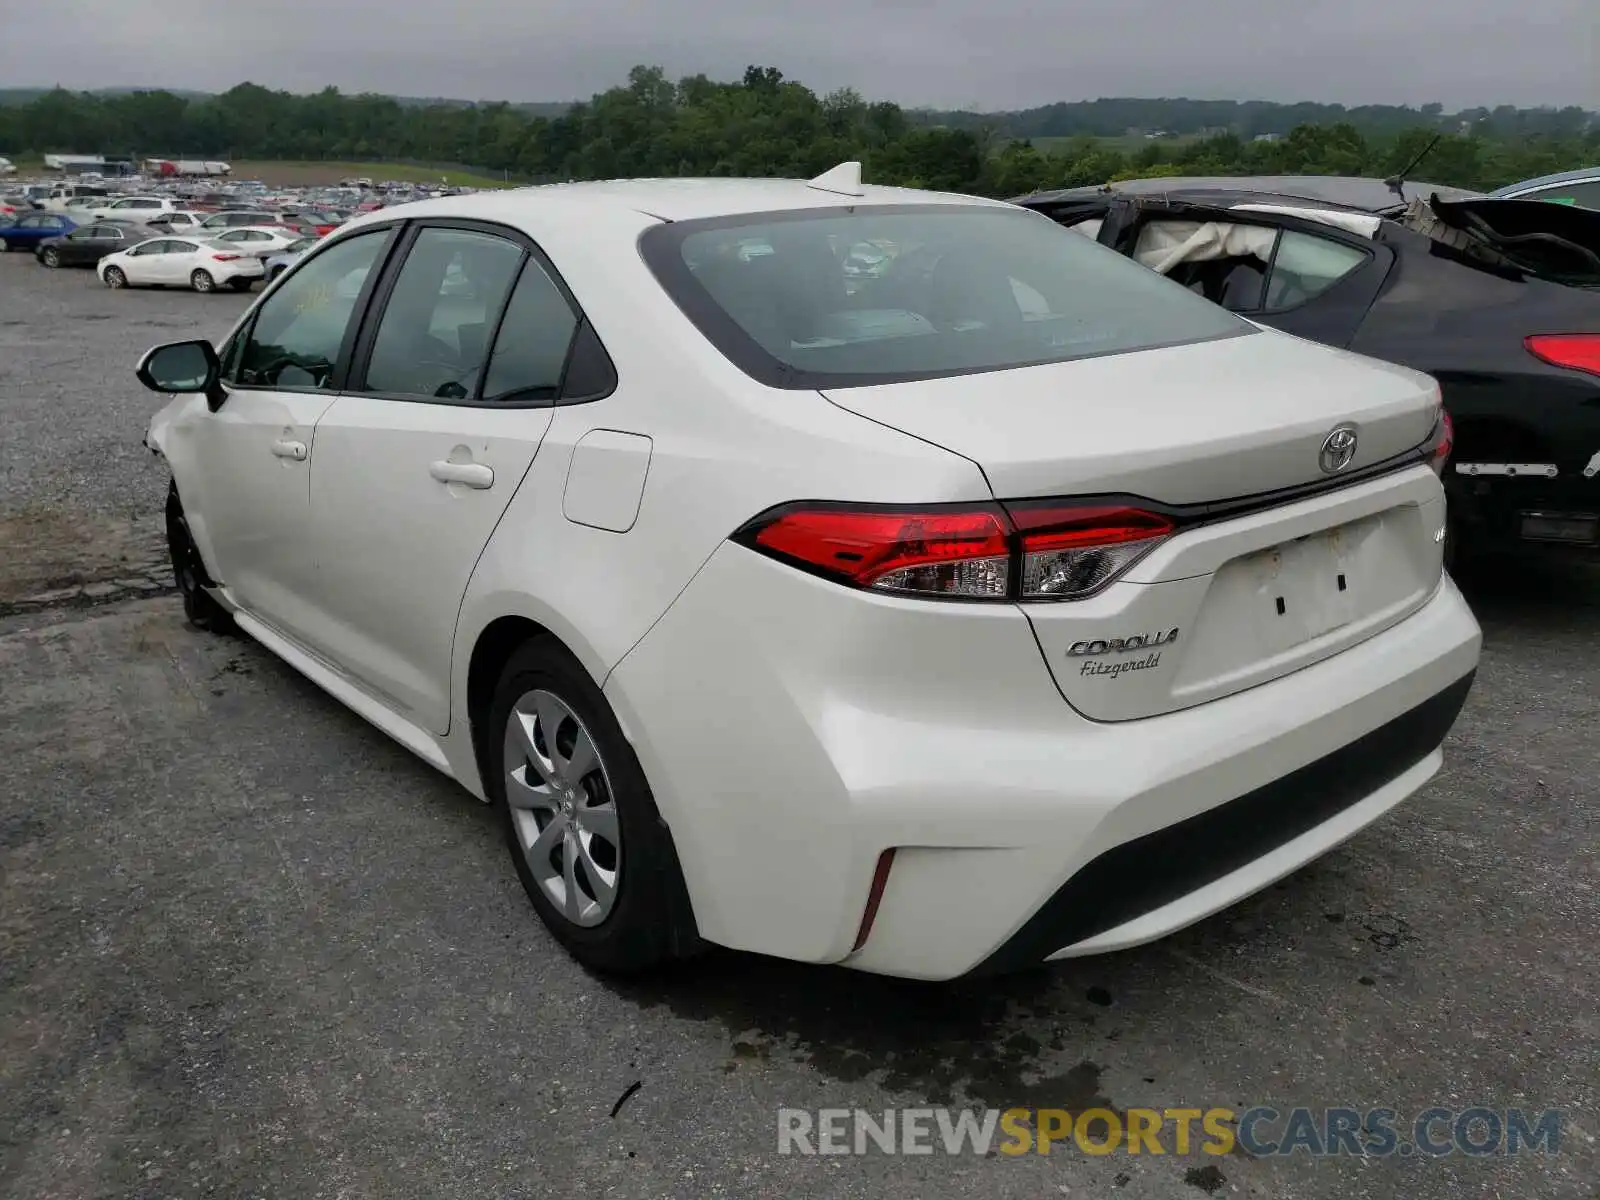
x=1305 y=588
x=1580 y=528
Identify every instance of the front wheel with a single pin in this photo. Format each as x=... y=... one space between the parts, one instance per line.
x=201 y=281
x=115 y=278
x=189 y=571
x=579 y=819
x=51 y=257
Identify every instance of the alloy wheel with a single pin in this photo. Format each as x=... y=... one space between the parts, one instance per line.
x=201 y=281
x=52 y=258
x=115 y=278
x=562 y=806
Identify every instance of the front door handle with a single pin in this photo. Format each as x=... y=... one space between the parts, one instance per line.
x=472 y=475
x=284 y=448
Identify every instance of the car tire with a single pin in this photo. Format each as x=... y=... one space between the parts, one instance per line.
x=545 y=698
x=189 y=572
x=201 y=281
x=114 y=278
x=51 y=258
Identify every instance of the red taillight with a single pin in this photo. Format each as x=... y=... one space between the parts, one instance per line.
x=1031 y=550
x=952 y=553
x=1444 y=442
x=1579 y=351
x=1070 y=551
x=221 y=257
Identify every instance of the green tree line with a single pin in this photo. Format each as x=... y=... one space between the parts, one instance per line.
x=761 y=124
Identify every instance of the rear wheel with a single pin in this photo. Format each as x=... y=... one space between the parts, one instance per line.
x=201 y=281
x=51 y=257
x=115 y=278
x=580 y=822
x=189 y=570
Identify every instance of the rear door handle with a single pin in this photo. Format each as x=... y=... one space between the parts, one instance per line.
x=472 y=475
x=284 y=448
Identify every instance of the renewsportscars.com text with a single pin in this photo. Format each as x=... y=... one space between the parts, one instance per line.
x=1260 y=1131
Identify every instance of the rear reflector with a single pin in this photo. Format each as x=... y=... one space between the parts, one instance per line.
x=880 y=880
x=1031 y=550
x=1579 y=351
x=1444 y=441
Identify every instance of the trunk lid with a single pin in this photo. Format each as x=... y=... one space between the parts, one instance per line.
x=1239 y=594
x=1180 y=425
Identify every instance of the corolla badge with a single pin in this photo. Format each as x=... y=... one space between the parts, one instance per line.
x=1338 y=449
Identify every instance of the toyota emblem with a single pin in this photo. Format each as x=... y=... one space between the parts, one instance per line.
x=1338 y=450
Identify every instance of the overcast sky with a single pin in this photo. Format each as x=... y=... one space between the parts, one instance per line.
x=989 y=54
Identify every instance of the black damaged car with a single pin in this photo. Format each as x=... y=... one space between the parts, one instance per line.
x=1498 y=299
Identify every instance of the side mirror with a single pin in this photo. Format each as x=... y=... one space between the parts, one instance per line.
x=183 y=368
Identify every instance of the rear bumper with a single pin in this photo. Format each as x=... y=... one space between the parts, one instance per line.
x=1147 y=887
x=793 y=730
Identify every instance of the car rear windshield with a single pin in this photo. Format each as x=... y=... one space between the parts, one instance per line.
x=842 y=297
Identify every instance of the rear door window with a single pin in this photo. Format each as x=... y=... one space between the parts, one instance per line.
x=433 y=338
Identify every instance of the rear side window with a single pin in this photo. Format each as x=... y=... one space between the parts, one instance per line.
x=531 y=349
x=822 y=298
x=1306 y=266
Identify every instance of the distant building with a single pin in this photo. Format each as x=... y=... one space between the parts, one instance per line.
x=1265 y=137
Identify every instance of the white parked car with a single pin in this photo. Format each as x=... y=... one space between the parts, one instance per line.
x=179 y=220
x=134 y=208
x=179 y=262
x=258 y=242
x=916 y=628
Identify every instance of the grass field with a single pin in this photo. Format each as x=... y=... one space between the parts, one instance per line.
x=288 y=174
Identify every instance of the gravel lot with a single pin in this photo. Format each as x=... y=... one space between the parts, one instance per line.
x=250 y=948
x=80 y=497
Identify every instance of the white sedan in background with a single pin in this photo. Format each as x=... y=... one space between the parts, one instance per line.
x=1018 y=604
x=179 y=262
x=258 y=242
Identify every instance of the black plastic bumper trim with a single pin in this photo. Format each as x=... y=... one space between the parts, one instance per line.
x=1137 y=877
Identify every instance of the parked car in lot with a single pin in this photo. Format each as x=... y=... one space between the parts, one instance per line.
x=179 y=262
x=1498 y=299
x=1581 y=187
x=1022 y=604
x=28 y=229
x=242 y=219
x=258 y=241
x=88 y=244
x=179 y=221
x=137 y=208
x=320 y=221
x=280 y=262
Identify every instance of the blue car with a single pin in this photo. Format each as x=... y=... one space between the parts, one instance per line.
x=29 y=229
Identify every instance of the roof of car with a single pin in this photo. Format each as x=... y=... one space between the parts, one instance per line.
x=1581 y=175
x=675 y=199
x=1339 y=191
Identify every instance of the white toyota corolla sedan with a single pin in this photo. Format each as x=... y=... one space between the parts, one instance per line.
x=1008 y=604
